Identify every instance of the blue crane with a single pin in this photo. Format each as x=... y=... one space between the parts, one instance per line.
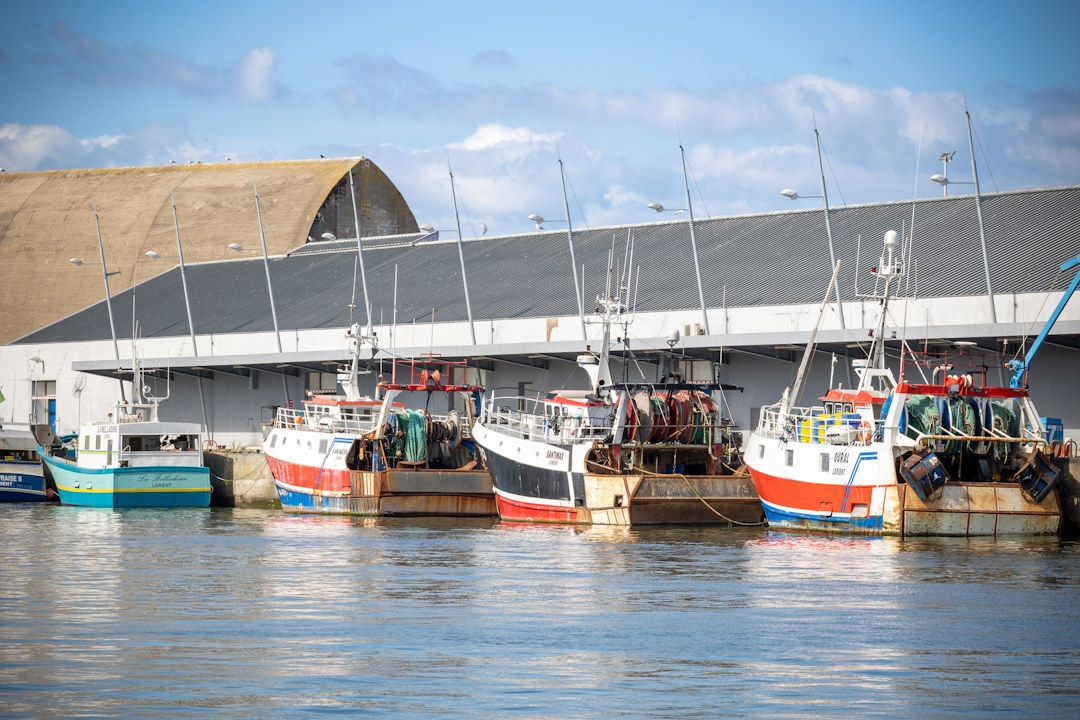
x=1020 y=367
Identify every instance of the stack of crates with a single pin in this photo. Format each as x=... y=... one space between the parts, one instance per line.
x=813 y=429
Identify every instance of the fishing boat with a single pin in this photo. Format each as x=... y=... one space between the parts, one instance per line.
x=349 y=454
x=616 y=453
x=944 y=452
x=21 y=476
x=132 y=459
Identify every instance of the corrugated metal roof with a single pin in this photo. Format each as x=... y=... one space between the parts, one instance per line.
x=772 y=259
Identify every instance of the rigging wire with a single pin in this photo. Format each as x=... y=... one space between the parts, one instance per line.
x=836 y=182
x=986 y=160
x=698 y=188
x=577 y=202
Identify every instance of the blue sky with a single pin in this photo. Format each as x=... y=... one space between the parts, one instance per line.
x=497 y=87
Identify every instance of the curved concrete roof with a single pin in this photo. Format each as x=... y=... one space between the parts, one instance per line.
x=46 y=218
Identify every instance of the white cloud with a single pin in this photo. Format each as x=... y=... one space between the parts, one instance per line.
x=25 y=147
x=258 y=79
x=490 y=136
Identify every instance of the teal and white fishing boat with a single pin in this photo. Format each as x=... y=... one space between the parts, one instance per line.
x=133 y=459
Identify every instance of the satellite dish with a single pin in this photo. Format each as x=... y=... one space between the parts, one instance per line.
x=673 y=337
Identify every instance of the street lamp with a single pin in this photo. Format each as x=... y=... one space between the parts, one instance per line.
x=269 y=285
x=660 y=208
x=942 y=178
x=824 y=196
x=579 y=294
x=154 y=255
x=539 y=220
x=689 y=209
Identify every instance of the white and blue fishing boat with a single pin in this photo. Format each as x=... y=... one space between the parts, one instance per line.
x=133 y=459
x=21 y=476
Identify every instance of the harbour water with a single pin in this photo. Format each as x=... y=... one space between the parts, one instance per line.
x=255 y=613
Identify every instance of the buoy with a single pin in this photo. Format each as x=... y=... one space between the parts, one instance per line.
x=866 y=432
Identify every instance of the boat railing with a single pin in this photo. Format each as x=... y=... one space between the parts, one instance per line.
x=772 y=422
x=501 y=415
x=303 y=419
x=814 y=425
x=159 y=458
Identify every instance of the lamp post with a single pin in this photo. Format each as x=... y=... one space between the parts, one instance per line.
x=693 y=243
x=461 y=252
x=824 y=196
x=269 y=285
x=153 y=255
x=539 y=220
x=108 y=299
x=689 y=209
x=943 y=180
x=359 y=253
x=573 y=258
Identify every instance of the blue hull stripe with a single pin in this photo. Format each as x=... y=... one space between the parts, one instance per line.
x=20 y=486
x=297 y=501
x=785 y=517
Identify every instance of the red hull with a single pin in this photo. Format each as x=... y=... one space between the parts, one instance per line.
x=809 y=496
x=517 y=510
x=308 y=477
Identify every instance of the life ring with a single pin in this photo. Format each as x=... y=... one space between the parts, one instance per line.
x=866 y=432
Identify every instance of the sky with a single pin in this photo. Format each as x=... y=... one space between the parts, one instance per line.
x=500 y=91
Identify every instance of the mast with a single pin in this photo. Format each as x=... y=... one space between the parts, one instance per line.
x=889 y=267
x=789 y=397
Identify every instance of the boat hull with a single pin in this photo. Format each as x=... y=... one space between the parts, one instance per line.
x=22 y=481
x=151 y=486
x=860 y=493
x=534 y=482
x=328 y=488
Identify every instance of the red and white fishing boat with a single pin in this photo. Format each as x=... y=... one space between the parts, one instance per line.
x=616 y=453
x=950 y=455
x=349 y=454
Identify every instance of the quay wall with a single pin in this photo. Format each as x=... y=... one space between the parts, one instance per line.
x=241 y=479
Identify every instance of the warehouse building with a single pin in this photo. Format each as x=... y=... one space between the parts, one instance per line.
x=514 y=313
